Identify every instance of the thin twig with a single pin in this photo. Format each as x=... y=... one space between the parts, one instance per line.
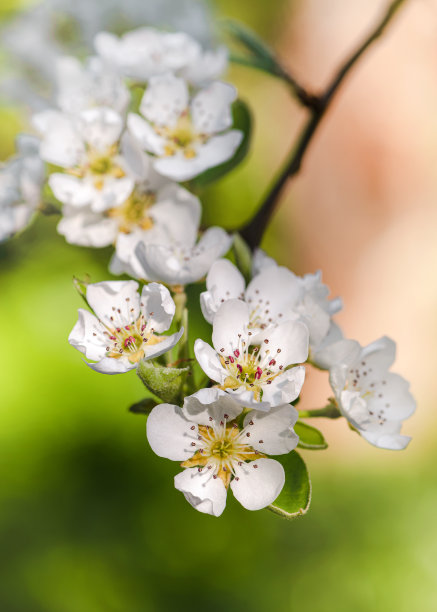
x=254 y=230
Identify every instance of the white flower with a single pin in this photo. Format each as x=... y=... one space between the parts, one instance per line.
x=373 y=400
x=21 y=180
x=217 y=454
x=169 y=252
x=125 y=327
x=256 y=376
x=131 y=220
x=146 y=52
x=185 y=136
x=86 y=147
x=83 y=86
x=270 y=295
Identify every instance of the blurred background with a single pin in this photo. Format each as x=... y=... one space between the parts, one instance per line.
x=89 y=518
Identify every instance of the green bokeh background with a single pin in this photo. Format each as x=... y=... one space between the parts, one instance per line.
x=89 y=519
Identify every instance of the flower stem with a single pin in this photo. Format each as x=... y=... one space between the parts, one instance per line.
x=254 y=230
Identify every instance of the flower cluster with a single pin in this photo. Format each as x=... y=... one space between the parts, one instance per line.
x=129 y=132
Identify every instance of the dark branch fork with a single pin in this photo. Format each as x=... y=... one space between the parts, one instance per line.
x=317 y=106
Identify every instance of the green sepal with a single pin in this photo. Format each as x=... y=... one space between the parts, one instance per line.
x=81 y=287
x=241 y=120
x=295 y=498
x=243 y=256
x=166 y=383
x=145 y=406
x=310 y=437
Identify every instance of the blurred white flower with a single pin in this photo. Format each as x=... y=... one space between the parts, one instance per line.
x=169 y=251
x=373 y=400
x=258 y=377
x=21 y=180
x=86 y=147
x=125 y=327
x=82 y=86
x=217 y=454
x=186 y=136
x=36 y=36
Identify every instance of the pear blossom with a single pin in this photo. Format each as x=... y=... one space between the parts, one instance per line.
x=185 y=136
x=146 y=52
x=270 y=295
x=217 y=453
x=169 y=251
x=125 y=327
x=82 y=86
x=131 y=220
x=86 y=147
x=373 y=400
x=21 y=180
x=258 y=377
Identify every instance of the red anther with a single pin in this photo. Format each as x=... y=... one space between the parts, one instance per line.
x=272 y=362
x=240 y=368
x=118 y=330
x=127 y=327
x=129 y=341
x=237 y=353
x=258 y=373
x=143 y=327
x=112 y=338
x=231 y=359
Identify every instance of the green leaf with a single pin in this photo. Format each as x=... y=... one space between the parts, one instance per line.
x=310 y=437
x=294 y=499
x=165 y=383
x=242 y=120
x=260 y=56
x=145 y=406
x=243 y=256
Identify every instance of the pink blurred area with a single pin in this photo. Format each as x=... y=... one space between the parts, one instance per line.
x=364 y=207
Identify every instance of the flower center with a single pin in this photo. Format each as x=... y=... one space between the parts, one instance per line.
x=133 y=212
x=181 y=137
x=361 y=379
x=220 y=448
x=250 y=368
x=129 y=340
x=99 y=165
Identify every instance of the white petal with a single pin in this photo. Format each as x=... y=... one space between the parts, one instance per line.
x=216 y=151
x=87 y=336
x=210 y=404
x=179 y=218
x=211 y=108
x=109 y=297
x=146 y=136
x=285 y=387
x=101 y=127
x=224 y=282
x=86 y=228
x=166 y=97
x=230 y=327
x=209 y=361
x=62 y=144
x=272 y=432
x=202 y=491
x=274 y=291
x=71 y=190
x=393 y=398
x=380 y=354
x=208 y=66
x=246 y=398
x=261 y=261
x=158 y=306
x=170 y=434
x=109 y=365
x=259 y=486
x=166 y=343
x=388 y=441
x=115 y=191
x=287 y=344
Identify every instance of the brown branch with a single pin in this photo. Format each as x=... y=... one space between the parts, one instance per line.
x=254 y=230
